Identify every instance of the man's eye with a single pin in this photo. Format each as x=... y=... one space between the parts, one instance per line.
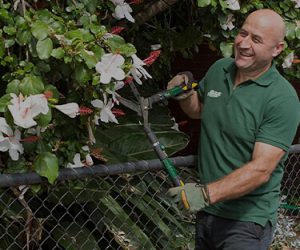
x=256 y=40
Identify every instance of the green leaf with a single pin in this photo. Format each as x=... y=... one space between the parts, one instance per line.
x=43 y=120
x=290 y=30
x=116 y=220
x=89 y=58
x=44 y=48
x=46 y=165
x=31 y=85
x=80 y=34
x=226 y=49
x=4 y=101
x=13 y=87
x=203 y=3
x=23 y=37
x=118 y=44
x=73 y=236
x=2 y=47
x=58 y=53
x=39 y=30
x=130 y=140
x=10 y=30
x=81 y=74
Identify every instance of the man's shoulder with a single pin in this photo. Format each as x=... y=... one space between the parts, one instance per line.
x=223 y=63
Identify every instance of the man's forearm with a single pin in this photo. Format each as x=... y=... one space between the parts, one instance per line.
x=191 y=106
x=238 y=183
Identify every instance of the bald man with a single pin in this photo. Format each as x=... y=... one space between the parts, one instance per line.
x=249 y=116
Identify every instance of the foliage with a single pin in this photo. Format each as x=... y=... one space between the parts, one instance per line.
x=190 y=24
x=62 y=63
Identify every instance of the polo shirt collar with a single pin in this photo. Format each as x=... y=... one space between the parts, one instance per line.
x=264 y=80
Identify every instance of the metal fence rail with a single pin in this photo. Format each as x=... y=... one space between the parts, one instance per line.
x=121 y=206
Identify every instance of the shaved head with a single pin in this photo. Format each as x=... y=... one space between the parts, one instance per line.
x=270 y=21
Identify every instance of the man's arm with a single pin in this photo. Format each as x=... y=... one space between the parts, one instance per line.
x=192 y=106
x=250 y=176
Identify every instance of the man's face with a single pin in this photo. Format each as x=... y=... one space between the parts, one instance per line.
x=255 y=46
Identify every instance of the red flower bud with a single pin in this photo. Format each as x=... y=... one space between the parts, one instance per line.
x=116 y=29
x=33 y=138
x=85 y=111
x=117 y=112
x=48 y=94
x=152 y=58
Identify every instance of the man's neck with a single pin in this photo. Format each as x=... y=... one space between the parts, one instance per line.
x=243 y=76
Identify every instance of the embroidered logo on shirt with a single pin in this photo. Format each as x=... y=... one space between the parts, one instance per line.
x=214 y=94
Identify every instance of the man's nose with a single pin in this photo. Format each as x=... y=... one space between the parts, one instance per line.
x=245 y=42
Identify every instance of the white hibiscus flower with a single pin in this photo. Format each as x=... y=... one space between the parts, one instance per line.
x=110 y=67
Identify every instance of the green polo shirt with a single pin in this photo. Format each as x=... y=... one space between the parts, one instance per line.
x=265 y=110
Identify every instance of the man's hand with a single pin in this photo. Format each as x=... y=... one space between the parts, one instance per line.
x=182 y=79
x=196 y=195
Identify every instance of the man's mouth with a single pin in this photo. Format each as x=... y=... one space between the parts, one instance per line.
x=245 y=54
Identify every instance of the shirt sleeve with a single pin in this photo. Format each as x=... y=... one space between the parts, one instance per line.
x=280 y=122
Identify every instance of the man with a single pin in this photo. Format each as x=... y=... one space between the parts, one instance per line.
x=249 y=116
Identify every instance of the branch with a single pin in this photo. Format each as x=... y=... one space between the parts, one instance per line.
x=152 y=9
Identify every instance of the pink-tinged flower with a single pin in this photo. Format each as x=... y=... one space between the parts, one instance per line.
x=116 y=29
x=110 y=67
x=137 y=69
x=106 y=114
x=76 y=162
x=233 y=4
x=112 y=92
x=287 y=63
x=152 y=58
x=122 y=10
x=88 y=159
x=24 y=110
x=10 y=141
x=229 y=23
x=70 y=109
x=297 y=3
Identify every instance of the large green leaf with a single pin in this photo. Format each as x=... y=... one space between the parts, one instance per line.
x=46 y=165
x=125 y=231
x=130 y=140
x=226 y=49
x=2 y=47
x=73 y=236
x=31 y=85
x=13 y=87
x=44 y=48
x=89 y=57
x=4 y=101
x=77 y=190
x=203 y=3
x=39 y=30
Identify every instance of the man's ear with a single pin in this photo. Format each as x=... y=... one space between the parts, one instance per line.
x=277 y=50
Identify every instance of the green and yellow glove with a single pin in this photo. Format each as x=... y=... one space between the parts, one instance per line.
x=194 y=194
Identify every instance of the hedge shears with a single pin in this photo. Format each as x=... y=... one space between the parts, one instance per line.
x=141 y=107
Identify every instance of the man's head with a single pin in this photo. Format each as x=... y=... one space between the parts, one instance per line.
x=260 y=39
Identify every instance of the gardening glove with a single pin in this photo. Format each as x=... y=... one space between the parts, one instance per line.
x=182 y=79
x=195 y=195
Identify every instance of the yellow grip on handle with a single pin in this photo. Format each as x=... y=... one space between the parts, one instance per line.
x=184 y=198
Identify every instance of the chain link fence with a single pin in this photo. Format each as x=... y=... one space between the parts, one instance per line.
x=120 y=206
